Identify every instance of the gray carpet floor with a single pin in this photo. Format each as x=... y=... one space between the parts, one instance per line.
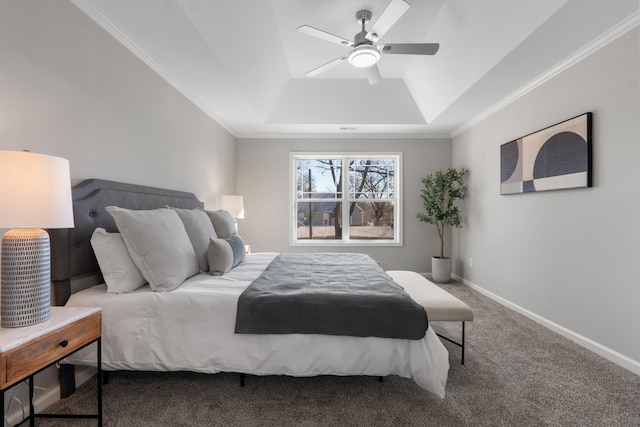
x=516 y=373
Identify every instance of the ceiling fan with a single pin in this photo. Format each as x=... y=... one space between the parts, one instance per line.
x=366 y=50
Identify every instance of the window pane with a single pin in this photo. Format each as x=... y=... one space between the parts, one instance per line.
x=371 y=179
x=319 y=221
x=319 y=178
x=371 y=220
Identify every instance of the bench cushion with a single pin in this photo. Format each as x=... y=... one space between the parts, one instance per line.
x=440 y=304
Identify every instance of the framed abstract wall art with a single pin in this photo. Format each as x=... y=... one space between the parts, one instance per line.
x=557 y=157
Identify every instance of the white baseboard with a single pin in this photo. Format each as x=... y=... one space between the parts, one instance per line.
x=609 y=354
x=84 y=374
x=17 y=409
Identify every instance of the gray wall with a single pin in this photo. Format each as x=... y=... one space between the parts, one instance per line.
x=569 y=257
x=69 y=89
x=263 y=179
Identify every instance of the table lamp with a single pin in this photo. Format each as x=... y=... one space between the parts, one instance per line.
x=234 y=205
x=35 y=192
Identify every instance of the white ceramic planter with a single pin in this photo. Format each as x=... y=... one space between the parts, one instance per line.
x=441 y=269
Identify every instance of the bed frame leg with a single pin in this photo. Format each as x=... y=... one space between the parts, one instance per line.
x=381 y=379
x=67 y=378
x=241 y=380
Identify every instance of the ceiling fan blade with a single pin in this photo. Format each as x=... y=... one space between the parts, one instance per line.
x=324 y=35
x=410 y=48
x=326 y=66
x=391 y=14
x=373 y=74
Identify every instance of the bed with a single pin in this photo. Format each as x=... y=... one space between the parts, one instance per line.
x=191 y=327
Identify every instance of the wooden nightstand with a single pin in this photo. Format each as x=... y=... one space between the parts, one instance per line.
x=28 y=350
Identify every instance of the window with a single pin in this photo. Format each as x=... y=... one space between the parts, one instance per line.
x=346 y=199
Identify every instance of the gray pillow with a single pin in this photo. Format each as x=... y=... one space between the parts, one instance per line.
x=223 y=223
x=118 y=270
x=224 y=254
x=158 y=244
x=200 y=230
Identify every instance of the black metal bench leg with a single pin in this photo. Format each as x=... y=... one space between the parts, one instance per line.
x=459 y=344
x=463 y=342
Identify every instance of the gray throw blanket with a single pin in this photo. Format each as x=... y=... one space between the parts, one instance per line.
x=330 y=294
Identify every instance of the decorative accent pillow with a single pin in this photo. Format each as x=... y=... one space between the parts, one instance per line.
x=158 y=244
x=224 y=254
x=120 y=273
x=200 y=230
x=223 y=223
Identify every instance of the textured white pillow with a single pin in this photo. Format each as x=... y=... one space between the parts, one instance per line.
x=200 y=231
x=158 y=244
x=120 y=273
x=224 y=254
x=223 y=223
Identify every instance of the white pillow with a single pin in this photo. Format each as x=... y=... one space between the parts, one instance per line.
x=158 y=244
x=200 y=231
x=224 y=254
x=223 y=223
x=120 y=273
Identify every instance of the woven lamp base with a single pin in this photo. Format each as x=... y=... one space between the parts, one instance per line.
x=25 y=291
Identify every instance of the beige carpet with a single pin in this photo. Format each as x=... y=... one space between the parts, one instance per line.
x=516 y=373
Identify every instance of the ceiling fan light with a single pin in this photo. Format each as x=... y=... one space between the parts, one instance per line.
x=364 y=56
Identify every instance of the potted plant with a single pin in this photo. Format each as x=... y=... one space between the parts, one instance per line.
x=439 y=194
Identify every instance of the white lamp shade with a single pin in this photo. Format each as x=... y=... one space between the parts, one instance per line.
x=234 y=205
x=35 y=190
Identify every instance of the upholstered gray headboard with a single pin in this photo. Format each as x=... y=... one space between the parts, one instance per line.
x=71 y=252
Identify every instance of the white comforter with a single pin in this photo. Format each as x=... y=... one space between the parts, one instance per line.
x=192 y=328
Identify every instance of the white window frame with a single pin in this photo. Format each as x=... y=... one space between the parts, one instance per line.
x=345 y=156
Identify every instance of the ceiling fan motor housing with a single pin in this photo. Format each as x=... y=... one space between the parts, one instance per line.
x=360 y=39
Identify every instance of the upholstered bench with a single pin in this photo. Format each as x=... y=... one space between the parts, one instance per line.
x=441 y=306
